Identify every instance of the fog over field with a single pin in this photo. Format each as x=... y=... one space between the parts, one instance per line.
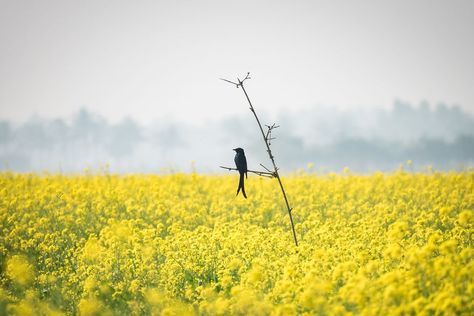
x=439 y=135
x=136 y=84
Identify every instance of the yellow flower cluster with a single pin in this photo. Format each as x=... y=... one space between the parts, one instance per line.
x=179 y=244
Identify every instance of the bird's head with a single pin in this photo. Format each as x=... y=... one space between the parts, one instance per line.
x=238 y=150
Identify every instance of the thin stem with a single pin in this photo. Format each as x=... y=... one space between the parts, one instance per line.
x=272 y=158
x=260 y=173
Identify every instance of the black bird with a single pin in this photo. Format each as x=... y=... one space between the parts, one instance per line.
x=241 y=164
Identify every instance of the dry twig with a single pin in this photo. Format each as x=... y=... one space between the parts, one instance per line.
x=267 y=139
x=260 y=173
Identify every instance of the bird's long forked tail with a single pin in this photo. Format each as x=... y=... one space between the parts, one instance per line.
x=241 y=185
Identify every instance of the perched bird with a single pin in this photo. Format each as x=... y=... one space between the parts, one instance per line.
x=241 y=164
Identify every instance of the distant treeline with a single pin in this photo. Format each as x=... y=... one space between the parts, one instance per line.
x=363 y=140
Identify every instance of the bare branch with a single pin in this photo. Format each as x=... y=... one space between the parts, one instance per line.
x=266 y=138
x=236 y=84
x=268 y=132
x=266 y=168
x=240 y=82
x=246 y=77
x=270 y=139
x=260 y=173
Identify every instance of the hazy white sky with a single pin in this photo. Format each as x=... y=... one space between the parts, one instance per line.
x=152 y=59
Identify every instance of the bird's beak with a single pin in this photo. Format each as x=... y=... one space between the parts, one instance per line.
x=235 y=149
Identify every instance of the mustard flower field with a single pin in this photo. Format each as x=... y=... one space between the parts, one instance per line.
x=102 y=244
